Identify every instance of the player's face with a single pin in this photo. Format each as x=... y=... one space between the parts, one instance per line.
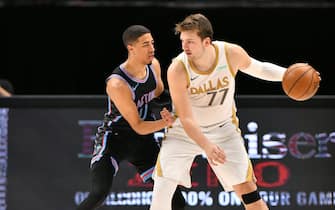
x=192 y=44
x=143 y=49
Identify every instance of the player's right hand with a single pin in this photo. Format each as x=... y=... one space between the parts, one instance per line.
x=215 y=155
x=168 y=117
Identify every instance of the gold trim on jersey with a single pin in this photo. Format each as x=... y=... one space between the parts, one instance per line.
x=158 y=167
x=228 y=62
x=250 y=173
x=212 y=68
x=235 y=119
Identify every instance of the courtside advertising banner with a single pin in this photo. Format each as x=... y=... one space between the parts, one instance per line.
x=46 y=151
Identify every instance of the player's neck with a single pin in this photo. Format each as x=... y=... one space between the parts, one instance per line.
x=207 y=59
x=135 y=69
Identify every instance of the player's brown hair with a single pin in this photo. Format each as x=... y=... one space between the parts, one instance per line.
x=196 y=22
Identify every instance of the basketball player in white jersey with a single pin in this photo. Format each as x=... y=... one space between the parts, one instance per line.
x=202 y=84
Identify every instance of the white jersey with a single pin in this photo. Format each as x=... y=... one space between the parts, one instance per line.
x=211 y=93
x=212 y=98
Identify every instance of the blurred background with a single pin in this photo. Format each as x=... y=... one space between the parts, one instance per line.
x=71 y=46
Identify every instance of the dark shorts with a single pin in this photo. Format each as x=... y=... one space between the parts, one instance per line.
x=125 y=144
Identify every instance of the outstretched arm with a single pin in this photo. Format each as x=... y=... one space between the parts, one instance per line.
x=240 y=60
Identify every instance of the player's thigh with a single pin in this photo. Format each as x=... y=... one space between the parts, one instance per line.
x=237 y=168
x=175 y=159
x=144 y=154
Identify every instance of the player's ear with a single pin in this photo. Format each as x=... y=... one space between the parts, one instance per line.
x=130 y=48
x=207 y=41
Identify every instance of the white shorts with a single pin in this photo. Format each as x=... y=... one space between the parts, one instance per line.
x=178 y=152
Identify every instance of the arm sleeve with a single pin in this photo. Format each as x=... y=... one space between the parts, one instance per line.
x=265 y=70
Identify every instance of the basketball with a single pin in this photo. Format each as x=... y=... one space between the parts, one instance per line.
x=300 y=81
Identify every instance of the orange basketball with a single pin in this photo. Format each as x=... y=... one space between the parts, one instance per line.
x=301 y=81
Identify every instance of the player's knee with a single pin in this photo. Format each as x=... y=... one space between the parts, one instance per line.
x=251 y=197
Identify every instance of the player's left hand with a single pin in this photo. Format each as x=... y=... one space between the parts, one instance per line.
x=215 y=155
x=167 y=117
